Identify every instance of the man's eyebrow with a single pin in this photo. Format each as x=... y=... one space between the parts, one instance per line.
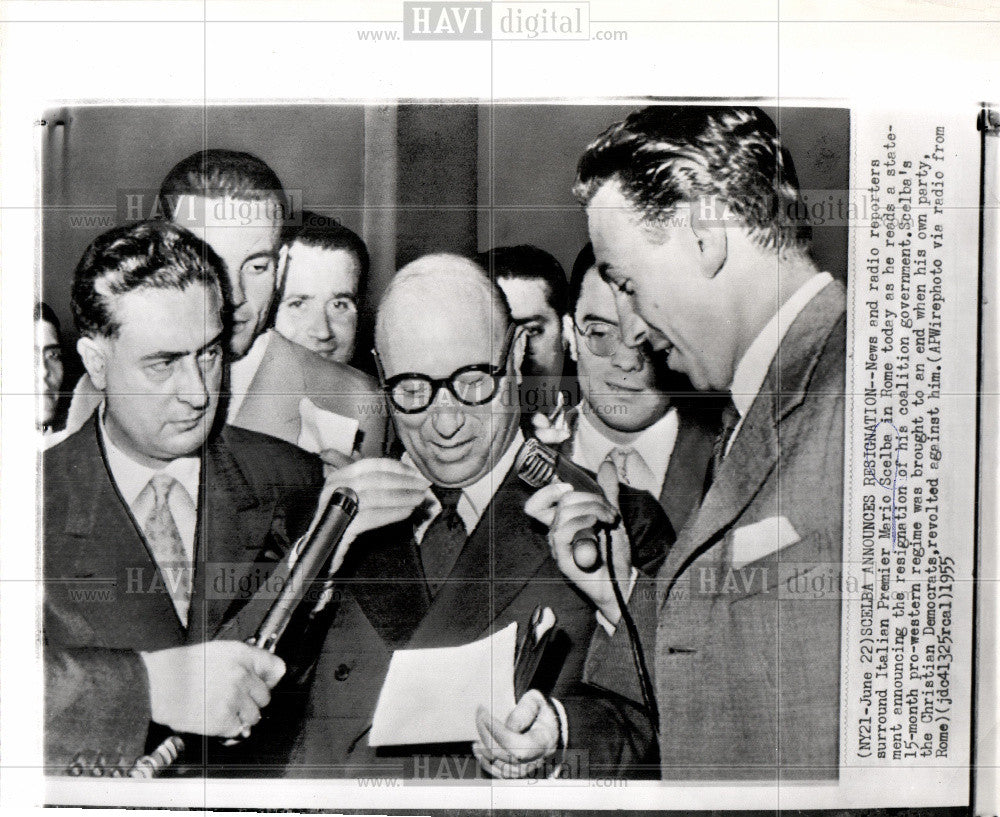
x=590 y=316
x=270 y=256
x=217 y=340
x=529 y=319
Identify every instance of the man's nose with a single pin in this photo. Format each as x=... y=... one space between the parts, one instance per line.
x=319 y=325
x=633 y=329
x=237 y=292
x=192 y=387
x=447 y=415
x=627 y=358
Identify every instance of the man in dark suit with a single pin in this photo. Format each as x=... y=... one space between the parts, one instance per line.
x=634 y=412
x=468 y=561
x=692 y=212
x=156 y=530
x=237 y=205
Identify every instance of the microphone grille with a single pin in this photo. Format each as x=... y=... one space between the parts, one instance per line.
x=535 y=463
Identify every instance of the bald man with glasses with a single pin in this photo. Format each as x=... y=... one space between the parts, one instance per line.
x=442 y=552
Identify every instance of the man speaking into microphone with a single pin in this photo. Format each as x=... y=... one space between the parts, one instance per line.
x=464 y=560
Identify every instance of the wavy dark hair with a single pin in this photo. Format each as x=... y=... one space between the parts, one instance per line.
x=664 y=155
x=143 y=255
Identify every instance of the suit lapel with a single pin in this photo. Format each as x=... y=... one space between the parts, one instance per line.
x=502 y=555
x=106 y=543
x=682 y=484
x=756 y=448
x=389 y=584
x=232 y=528
x=271 y=405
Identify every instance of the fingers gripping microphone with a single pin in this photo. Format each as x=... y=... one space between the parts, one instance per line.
x=316 y=550
x=538 y=465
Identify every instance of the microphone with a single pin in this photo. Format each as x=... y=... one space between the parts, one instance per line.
x=538 y=465
x=318 y=545
x=317 y=548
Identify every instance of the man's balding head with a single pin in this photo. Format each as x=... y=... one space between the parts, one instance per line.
x=444 y=283
x=439 y=314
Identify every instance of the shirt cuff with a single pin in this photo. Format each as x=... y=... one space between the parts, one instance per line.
x=602 y=619
x=563 y=736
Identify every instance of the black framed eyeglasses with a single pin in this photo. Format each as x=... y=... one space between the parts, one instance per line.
x=473 y=385
x=603 y=339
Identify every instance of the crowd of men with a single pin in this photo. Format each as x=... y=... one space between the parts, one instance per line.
x=706 y=353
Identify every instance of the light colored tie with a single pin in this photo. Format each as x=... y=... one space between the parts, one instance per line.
x=164 y=540
x=632 y=469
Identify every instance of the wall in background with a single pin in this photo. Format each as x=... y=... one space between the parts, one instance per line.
x=439 y=177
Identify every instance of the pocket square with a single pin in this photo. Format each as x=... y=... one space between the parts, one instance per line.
x=322 y=429
x=760 y=539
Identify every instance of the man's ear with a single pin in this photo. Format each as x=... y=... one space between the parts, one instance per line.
x=569 y=336
x=708 y=223
x=520 y=347
x=94 y=353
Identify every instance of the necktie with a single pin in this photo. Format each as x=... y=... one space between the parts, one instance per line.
x=632 y=469
x=444 y=538
x=164 y=540
x=730 y=419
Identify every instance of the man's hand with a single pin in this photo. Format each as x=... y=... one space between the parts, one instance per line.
x=523 y=743
x=334 y=460
x=388 y=491
x=217 y=688
x=566 y=512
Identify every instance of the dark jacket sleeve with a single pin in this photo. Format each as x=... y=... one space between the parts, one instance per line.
x=609 y=736
x=96 y=710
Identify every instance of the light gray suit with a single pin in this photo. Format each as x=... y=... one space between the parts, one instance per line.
x=746 y=665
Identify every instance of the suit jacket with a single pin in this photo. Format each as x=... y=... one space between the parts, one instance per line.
x=503 y=572
x=105 y=598
x=684 y=481
x=746 y=665
x=287 y=373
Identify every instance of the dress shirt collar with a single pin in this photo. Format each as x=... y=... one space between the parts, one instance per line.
x=654 y=444
x=475 y=497
x=242 y=373
x=131 y=477
x=753 y=366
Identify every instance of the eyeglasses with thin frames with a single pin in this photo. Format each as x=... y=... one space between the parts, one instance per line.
x=603 y=339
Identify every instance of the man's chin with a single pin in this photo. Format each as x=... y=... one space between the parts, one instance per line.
x=240 y=342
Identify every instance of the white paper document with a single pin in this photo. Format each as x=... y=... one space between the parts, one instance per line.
x=431 y=695
x=322 y=429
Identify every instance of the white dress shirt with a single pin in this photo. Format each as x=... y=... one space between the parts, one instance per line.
x=242 y=373
x=475 y=497
x=654 y=444
x=131 y=479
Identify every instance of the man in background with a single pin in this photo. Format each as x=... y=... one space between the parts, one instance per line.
x=152 y=523
x=460 y=560
x=48 y=367
x=236 y=204
x=628 y=412
x=326 y=268
x=534 y=284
